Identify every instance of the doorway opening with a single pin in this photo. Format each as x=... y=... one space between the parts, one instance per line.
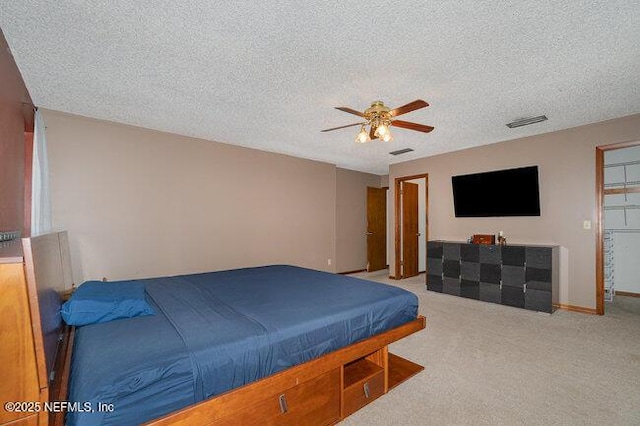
x=411 y=206
x=618 y=222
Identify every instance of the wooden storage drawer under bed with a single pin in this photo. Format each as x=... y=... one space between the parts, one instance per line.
x=363 y=382
x=315 y=401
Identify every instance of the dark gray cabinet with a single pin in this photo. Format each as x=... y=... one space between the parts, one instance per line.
x=522 y=276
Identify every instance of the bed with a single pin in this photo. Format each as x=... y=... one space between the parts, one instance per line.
x=275 y=344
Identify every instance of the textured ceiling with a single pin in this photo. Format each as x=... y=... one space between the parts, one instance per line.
x=267 y=74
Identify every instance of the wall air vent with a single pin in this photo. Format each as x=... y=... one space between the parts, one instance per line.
x=401 y=151
x=526 y=121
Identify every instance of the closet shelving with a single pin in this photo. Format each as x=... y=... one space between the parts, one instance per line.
x=609 y=289
x=621 y=187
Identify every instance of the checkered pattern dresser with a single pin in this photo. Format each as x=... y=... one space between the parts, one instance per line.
x=522 y=276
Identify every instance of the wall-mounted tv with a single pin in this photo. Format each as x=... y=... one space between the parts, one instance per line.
x=510 y=192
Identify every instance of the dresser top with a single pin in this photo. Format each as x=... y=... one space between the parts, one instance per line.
x=494 y=245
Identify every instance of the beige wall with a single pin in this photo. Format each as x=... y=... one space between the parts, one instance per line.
x=351 y=211
x=566 y=161
x=141 y=203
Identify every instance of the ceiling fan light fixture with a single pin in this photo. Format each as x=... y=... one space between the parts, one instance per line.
x=363 y=135
x=379 y=118
x=382 y=130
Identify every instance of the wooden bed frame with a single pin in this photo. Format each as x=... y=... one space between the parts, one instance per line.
x=325 y=390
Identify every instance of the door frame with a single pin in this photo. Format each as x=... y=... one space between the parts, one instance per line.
x=600 y=150
x=397 y=275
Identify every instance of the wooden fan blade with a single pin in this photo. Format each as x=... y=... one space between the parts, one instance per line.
x=350 y=111
x=412 y=126
x=411 y=106
x=341 y=127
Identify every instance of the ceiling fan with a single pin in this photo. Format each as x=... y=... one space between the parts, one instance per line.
x=380 y=117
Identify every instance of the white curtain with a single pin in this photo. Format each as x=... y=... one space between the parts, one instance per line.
x=40 y=194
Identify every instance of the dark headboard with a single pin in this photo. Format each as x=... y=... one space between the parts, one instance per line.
x=48 y=267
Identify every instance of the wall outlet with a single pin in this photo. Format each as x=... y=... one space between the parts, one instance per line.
x=329 y=262
x=586 y=224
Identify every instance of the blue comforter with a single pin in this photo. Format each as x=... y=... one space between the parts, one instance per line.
x=216 y=331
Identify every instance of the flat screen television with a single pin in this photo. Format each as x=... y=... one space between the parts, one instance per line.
x=510 y=192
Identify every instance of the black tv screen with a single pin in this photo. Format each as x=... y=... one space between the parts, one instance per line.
x=511 y=192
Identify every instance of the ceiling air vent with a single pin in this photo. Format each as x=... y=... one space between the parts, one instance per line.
x=526 y=121
x=401 y=151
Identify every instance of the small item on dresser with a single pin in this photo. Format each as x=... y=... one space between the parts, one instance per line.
x=501 y=239
x=487 y=239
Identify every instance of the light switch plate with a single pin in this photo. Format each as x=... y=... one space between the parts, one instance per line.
x=586 y=224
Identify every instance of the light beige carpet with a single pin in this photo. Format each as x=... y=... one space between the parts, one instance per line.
x=487 y=364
